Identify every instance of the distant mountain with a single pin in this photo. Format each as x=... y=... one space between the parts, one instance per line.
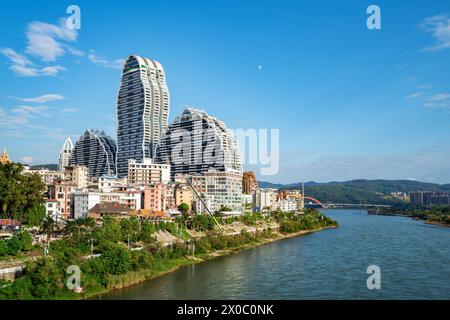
x=361 y=191
x=45 y=166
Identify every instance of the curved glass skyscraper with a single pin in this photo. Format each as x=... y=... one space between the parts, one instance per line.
x=97 y=151
x=197 y=142
x=142 y=111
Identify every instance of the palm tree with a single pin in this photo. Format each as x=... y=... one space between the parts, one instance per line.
x=49 y=226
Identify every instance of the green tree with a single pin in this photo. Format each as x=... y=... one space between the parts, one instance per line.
x=14 y=245
x=49 y=227
x=35 y=215
x=183 y=208
x=26 y=240
x=19 y=192
x=3 y=248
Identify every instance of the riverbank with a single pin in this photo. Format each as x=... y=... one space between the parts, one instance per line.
x=408 y=214
x=136 y=277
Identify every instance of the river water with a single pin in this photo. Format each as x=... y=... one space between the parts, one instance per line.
x=414 y=261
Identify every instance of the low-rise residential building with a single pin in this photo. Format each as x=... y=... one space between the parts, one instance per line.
x=61 y=191
x=116 y=209
x=47 y=176
x=183 y=194
x=147 y=172
x=288 y=205
x=83 y=201
x=266 y=198
x=77 y=175
x=52 y=208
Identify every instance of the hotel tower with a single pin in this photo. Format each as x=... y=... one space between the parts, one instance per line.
x=142 y=111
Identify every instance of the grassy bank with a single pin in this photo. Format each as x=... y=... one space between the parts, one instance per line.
x=133 y=278
x=116 y=266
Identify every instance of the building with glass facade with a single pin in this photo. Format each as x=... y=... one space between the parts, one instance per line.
x=97 y=151
x=142 y=111
x=196 y=142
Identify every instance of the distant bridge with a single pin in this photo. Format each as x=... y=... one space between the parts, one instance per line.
x=343 y=205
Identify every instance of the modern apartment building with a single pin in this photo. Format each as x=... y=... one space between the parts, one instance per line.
x=223 y=189
x=147 y=172
x=142 y=111
x=64 y=154
x=196 y=142
x=426 y=198
x=97 y=151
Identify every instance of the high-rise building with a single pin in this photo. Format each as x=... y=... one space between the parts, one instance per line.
x=249 y=183
x=96 y=151
x=142 y=111
x=64 y=154
x=196 y=142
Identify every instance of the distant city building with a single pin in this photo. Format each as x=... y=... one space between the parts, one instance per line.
x=62 y=191
x=96 y=151
x=142 y=111
x=196 y=142
x=266 y=198
x=146 y=172
x=427 y=198
x=109 y=209
x=83 y=201
x=64 y=154
x=183 y=194
x=249 y=183
x=77 y=176
x=52 y=208
x=223 y=189
x=47 y=176
x=4 y=157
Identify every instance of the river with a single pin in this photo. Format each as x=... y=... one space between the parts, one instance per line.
x=414 y=260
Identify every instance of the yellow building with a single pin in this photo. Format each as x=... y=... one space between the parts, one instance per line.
x=4 y=158
x=183 y=194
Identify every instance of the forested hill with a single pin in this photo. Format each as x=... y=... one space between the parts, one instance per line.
x=360 y=191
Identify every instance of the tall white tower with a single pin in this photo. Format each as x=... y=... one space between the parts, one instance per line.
x=64 y=154
x=142 y=111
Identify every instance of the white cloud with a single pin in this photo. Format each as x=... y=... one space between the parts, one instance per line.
x=16 y=58
x=44 y=39
x=439 y=28
x=70 y=110
x=115 y=64
x=21 y=66
x=29 y=111
x=414 y=95
x=44 y=98
x=439 y=97
x=424 y=86
x=27 y=159
x=441 y=101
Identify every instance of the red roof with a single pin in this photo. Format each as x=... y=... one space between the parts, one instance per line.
x=10 y=222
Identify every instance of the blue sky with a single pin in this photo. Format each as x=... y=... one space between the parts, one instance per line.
x=349 y=102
